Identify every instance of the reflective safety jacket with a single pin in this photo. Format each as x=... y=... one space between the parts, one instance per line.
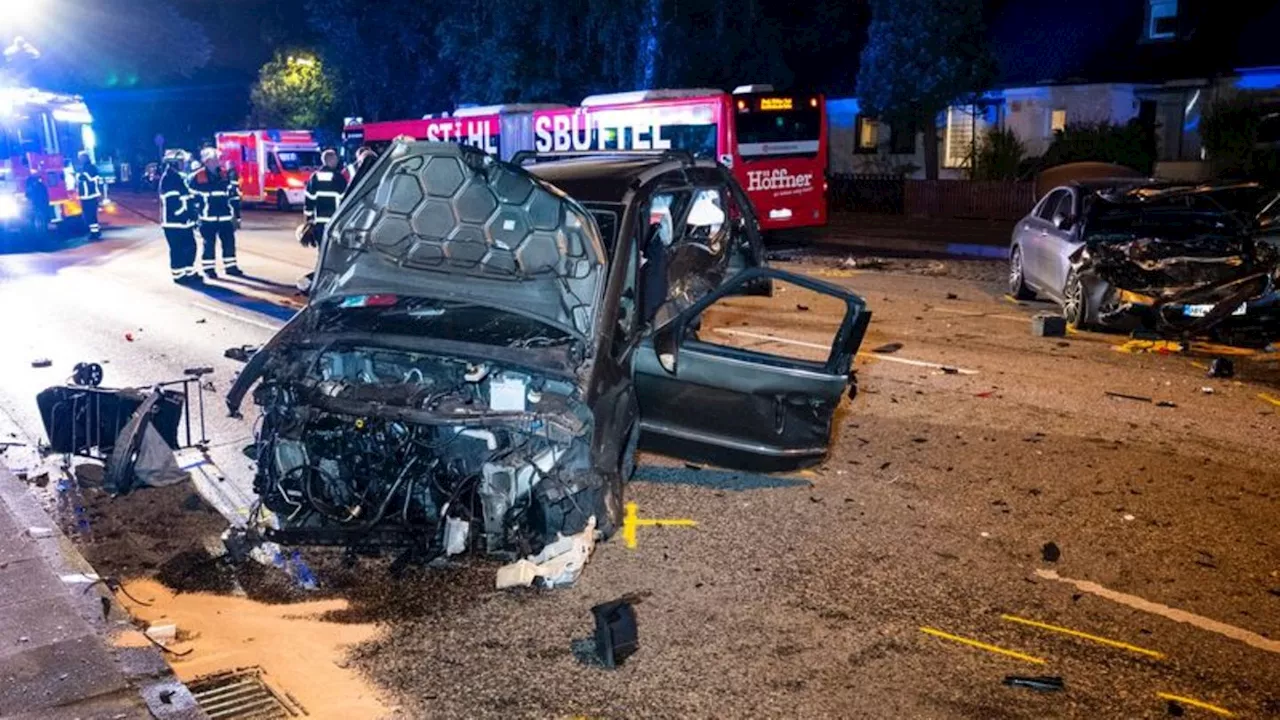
x=213 y=195
x=324 y=190
x=233 y=197
x=88 y=184
x=177 y=206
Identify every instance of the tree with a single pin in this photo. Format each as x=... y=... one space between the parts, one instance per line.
x=1238 y=135
x=921 y=57
x=292 y=91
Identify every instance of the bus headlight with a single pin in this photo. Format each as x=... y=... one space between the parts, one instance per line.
x=8 y=207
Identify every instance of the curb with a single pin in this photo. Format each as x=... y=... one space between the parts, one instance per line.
x=145 y=672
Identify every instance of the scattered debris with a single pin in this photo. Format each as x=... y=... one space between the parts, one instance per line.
x=952 y=296
x=241 y=353
x=558 y=565
x=41 y=363
x=948 y=370
x=1128 y=517
x=1142 y=398
x=802 y=308
x=1123 y=396
x=87 y=374
x=1206 y=390
x=1174 y=709
x=1042 y=683
x=1047 y=325
x=984 y=534
x=1050 y=552
x=888 y=348
x=455 y=535
x=1160 y=347
x=162 y=634
x=1222 y=368
x=128 y=337
x=197 y=371
x=617 y=636
x=39 y=533
x=201 y=321
x=985 y=394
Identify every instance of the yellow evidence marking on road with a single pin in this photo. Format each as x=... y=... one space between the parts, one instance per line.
x=632 y=520
x=1264 y=397
x=1082 y=635
x=983 y=646
x=1196 y=703
x=1166 y=347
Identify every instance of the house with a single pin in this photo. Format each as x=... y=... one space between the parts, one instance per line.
x=1161 y=62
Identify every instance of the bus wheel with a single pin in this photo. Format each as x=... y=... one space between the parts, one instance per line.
x=282 y=202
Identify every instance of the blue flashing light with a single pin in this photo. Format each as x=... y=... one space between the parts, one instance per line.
x=1262 y=79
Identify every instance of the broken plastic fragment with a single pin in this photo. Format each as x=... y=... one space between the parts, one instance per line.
x=558 y=565
x=455 y=536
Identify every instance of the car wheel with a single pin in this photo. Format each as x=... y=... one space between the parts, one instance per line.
x=282 y=202
x=1017 y=277
x=1075 y=303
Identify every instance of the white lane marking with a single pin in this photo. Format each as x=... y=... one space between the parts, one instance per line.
x=827 y=348
x=236 y=316
x=970 y=313
x=1245 y=636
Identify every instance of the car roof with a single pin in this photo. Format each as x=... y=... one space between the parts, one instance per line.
x=604 y=178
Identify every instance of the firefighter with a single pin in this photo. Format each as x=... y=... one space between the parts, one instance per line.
x=365 y=157
x=89 y=190
x=325 y=189
x=216 y=216
x=234 y=178
x=178 y=219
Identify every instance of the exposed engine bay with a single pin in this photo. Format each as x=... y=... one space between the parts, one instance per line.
x=373 y=447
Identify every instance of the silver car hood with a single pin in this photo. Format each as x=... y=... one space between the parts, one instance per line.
x=445 y=221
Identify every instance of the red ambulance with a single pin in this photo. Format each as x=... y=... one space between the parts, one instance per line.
x=273 y=165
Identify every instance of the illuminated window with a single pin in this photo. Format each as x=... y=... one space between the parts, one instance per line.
x=868 y=135
x=1162 y=19
x=958 y=144
x=1058 y=121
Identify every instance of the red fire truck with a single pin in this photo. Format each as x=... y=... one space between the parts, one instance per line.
x=41 y=133
x=273 y=165
x=775 y=143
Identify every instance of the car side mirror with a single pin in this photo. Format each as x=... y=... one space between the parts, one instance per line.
x=666 y=344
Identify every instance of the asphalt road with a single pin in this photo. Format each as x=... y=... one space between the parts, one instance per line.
x=836 y=592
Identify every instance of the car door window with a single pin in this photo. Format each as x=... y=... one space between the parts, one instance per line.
x=764 y=376
x=272 y=165
x=1049 y=205
x=1065 y=206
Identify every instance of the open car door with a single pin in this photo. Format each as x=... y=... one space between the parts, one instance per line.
x=710 y=388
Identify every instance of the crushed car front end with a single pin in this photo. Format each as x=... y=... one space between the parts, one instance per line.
x=433 y=395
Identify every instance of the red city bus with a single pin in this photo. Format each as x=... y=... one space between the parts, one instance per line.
x=775 y=143
x=41 y=133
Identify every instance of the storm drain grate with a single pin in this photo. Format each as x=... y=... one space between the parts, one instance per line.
x=242 y=695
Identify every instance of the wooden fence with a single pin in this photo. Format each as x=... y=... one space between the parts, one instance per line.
x=960 y=199
x=969 y=199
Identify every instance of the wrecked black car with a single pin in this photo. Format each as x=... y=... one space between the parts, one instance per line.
x=1180 y=260
x=465 y=362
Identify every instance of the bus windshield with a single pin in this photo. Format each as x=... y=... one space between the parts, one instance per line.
x=789 y=132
